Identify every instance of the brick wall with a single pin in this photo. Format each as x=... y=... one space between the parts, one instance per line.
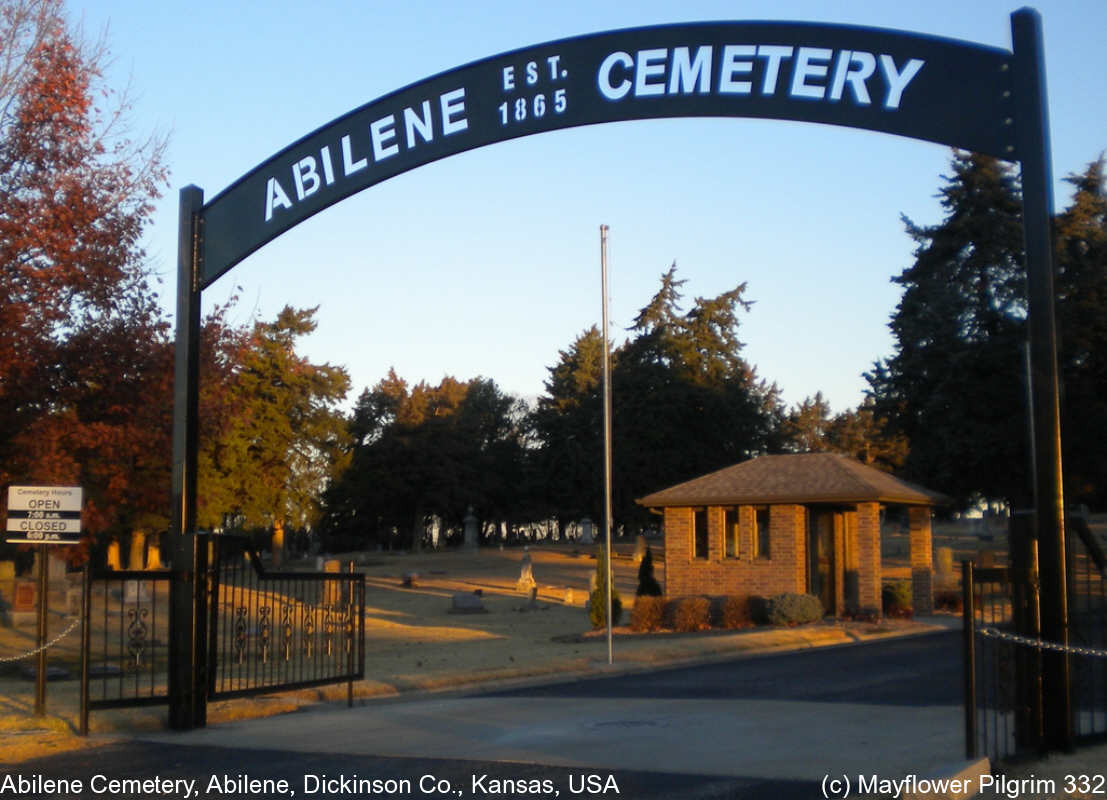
x=783 y=571
x=868 y=556
x=922 y=573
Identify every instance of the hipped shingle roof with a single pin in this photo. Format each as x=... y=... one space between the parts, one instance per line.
x=796 y=478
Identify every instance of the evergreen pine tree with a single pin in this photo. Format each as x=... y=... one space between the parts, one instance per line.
x=597 y=602
x=954 y=387
x=647 y=583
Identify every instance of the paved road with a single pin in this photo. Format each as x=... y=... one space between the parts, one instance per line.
x=767 y=726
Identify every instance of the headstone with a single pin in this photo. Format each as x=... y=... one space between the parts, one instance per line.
x=138 y=550
x=526 y=580
x=639 y=548
x=471 y=540
x=332 y=590
x=277 y=544
x=24 y=599
x=153 y=555
x=73 y=599
x=944 y=558
x=7 y=583
x=56 y=568
x=113 y=555
x=466 y=603
x=587 y=534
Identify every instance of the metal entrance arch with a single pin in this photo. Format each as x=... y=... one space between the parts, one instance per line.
x=961 y=94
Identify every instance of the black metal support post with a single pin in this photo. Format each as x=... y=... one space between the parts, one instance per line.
x=43 y=605
x=1032 y=137
x=86 y=641
x=187 y=692
x=1026 y=614
x=968 y=628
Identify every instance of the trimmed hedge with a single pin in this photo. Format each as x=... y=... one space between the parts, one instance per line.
x=897 y=599
x=794 y=609
x=731 y=612
x=949 y=601
x=687 y=614
x=647 y=613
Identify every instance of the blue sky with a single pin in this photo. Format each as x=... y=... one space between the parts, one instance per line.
x=487 y=263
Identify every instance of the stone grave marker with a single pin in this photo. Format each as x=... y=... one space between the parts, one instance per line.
x=113 y=555
x=526 y=580
x=137 y=558
x=153 y=555
x=25 y=594
x=332 y=593
x=467 y=603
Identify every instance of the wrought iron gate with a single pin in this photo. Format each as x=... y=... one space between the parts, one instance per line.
x=1005 y=655
x=264 y=631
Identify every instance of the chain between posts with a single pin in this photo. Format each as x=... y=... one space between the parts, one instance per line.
x=47 y=646
x=1041 y=644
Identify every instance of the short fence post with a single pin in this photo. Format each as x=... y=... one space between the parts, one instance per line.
x=350 y=642
x=86 y=644
x=968 y=627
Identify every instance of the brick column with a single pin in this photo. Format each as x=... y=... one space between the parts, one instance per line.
x=839 y=563
x=678 y=550
x=922 y=573
x=789 y=547
x=746 y=523
x=868 y=557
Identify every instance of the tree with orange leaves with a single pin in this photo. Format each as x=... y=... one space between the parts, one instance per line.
x=85 y=355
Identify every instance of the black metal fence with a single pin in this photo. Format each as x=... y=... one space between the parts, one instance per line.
x=281 y=630
x=1087 y=583
x=124 y=639
x=265 y=631
x=1004 y=651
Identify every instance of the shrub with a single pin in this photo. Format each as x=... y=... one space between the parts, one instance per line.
x=794 y=609
x=647 y=583
x=647 y=613
x=949 y=600
x=759 y=609
x=896 y=599
x=597 y=603
x=688 y=614
x=732 y=611
x=862 y=615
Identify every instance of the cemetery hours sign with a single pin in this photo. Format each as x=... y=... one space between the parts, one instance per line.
x=44 y=514
x=940 y=90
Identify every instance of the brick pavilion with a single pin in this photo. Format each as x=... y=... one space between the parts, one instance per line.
x=807 y=523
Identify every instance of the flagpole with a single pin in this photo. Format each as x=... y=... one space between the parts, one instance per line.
x=606 y=437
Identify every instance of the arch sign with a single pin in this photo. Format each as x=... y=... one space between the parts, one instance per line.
x=955 y=93
x=927 y=88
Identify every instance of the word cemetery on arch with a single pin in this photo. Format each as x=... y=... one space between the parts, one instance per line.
x=936 y=89
x=964 y=95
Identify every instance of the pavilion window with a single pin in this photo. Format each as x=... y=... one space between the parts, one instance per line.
x=699 y=533
x=761 y=538
x=730 y=533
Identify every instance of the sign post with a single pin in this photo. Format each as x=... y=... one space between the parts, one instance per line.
x=43 y=515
